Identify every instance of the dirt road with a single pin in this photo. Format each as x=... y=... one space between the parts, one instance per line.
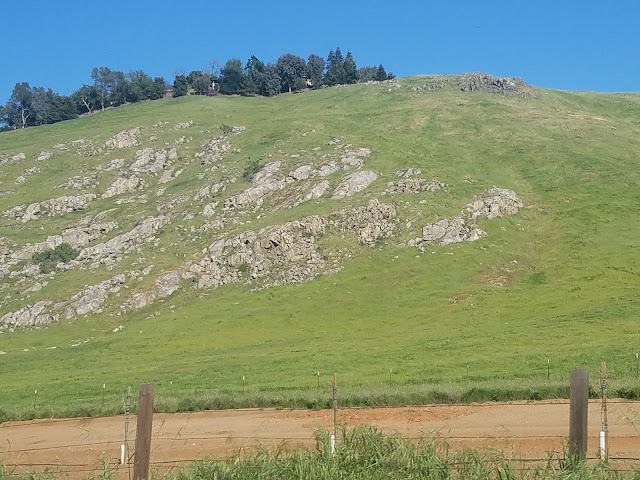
x=78 y=447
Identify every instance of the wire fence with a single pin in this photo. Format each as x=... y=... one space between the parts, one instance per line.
x=63 y=458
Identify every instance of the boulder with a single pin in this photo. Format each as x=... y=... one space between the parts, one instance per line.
x=124 y=185
x=167 y=284
x=153 y=162
x=409 y=172
x=124 y=139
x=354 y=183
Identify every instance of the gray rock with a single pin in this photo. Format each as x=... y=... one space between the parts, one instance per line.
x=329 y=169
x=80 y=182
x=124 y=185
x=153 y=162
x=44 y=156
x=115 y=247
x=370 y=223
x=266 y=182
x=354 y=158
x=50 y=208
x=354 y=183
x=450 y=231
x=495 y=202
x=30 y=315
x=413 y=185
x=167 y=284
x=115 y=164
x=91 y=298
x=409 y=172
x=124 y=139
x=301 y=173
x=482 y=82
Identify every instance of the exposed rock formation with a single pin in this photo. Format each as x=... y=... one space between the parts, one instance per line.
x=148 y=161
x=44 y=156
x=50 y=208
x=79 y=182
x=354 y=183
x=495 y=202
x=8 y=159
x=370 y=223
x=115 y=164
x=413 y=185
x=124 y=139
x=472 y=82
x=28 y=316
x=111 y=251
x=266 y=181
x=124 y=185
x=216 y=148
x=90 y=299
x=409 y=172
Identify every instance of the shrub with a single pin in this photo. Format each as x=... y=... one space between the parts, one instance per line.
x=252 y=168
x=227 y=129
x=49 y=259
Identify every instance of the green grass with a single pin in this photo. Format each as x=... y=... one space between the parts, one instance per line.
x=368 y=454
x=568 y=261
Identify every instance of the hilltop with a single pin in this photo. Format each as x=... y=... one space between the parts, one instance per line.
x=435 y=229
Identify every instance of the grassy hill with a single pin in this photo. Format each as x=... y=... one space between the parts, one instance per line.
x=557 y=282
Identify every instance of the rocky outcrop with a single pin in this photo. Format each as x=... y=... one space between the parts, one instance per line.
x=216 y=148
x=450 y=231
x=354 y=158
x=124 y=185
x=80 y=182
x=413 y=185
x=86 y=231
x=370 y=223
x=26 y=174
x=184 y=125
x=167 y=284
x=153 y=162
x=211 y=190
x=29 y=316
x=408 y=172
x=354 y=183
x=90 y=299
x=115 y=164
x=124 y=139
x=277 y=255
x=44 y=156
x=8 y=159
x=111 y=251
x=495 y=202
x=301 y=173
x=265 y=182
x=50 y=208
x=482 y=82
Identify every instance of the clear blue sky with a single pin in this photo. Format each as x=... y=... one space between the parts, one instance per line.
x=565 y=44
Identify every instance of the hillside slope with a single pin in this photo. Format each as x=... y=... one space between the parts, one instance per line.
x=405 y=227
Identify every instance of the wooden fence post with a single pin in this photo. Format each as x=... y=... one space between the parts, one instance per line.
x=143 y=433
x=578 y=413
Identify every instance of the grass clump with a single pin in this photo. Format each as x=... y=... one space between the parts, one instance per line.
x=49 y=259
x=367 y=453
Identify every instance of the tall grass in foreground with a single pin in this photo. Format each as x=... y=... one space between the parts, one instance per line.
x=365 y=453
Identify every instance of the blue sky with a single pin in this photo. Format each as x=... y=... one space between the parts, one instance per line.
x=565 y=44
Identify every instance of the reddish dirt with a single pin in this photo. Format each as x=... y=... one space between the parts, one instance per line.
x=77 y=448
